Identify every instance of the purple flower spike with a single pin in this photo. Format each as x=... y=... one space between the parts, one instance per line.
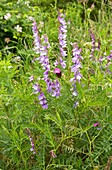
x=93 y=44
x=36 y=38
x=62 y=40
x=76 y=64
x=31 y=141
x=57 y=71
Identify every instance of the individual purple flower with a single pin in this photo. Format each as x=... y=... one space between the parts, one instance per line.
x=76 y=104
x=73 y=89
x=31 y=141
x=109 y=58
x=57 y=71
x=53 y=155
x=31 y=78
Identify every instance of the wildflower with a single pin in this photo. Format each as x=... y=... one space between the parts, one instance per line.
x=105 y=62
x=57 y=71
x=56 y=89
x=42 y=50
x=93 y=45
x=18 y=28
x=36 y=88
x=36 y=38
x=41 y=96
x=31 y=78
x=7 y=16
x=96 y=124
x=17 y=59
x=109 y=62
x=53 y=87
x=53 y=155
x=75 y=68
x=7 y=40
x=110 y=56
x=76 y=64
x=43 y=101
x=73 y=89
x=76 y=104
x=62 y=40
x=31 y=141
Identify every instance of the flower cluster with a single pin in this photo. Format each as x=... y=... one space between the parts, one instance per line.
x=42 y=50
x=76 y=64
x=109 y=62
x=44 y=60
x=53 y=87
x=36 y=37
x=31 y=141
x=62 y=40
x=105 y=62
x=93 y=45
x=76 y=70
x=41 y=96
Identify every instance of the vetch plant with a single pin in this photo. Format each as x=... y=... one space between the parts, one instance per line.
x=41 y=47
x=67 y=117
x=62 y=40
